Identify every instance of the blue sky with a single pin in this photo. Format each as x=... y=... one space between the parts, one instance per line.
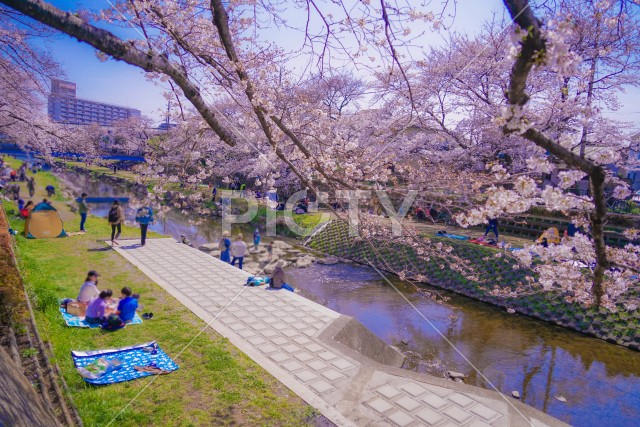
x=118 y=83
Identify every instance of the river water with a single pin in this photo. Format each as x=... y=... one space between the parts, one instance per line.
x=546 y=364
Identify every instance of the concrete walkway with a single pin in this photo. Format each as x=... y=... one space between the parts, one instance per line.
x=317 y=352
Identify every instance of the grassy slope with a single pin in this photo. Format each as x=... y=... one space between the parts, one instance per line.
x=215 y=385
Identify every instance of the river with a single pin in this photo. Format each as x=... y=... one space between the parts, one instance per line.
x=580 y=380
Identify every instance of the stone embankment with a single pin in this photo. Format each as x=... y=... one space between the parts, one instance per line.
x=621 y=327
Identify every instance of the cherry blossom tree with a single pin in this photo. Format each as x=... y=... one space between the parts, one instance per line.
x=486 y=129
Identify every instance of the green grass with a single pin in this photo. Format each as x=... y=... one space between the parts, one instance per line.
x=106 y=170
x=216 y=383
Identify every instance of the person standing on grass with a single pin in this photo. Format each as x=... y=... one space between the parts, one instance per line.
x=238 y=251
x=116 y=218
x=31 y=186
x=83 y=210
x=492 y=226
x=225 y=246
x=144 y=216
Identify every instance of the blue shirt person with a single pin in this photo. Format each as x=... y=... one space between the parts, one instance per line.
x=144 y=216
x=127 y=306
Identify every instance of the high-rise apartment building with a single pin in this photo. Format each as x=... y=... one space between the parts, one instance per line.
x=64 y=107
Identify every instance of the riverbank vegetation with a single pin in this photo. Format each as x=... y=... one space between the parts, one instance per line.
x=215 y=385
x=492 y=277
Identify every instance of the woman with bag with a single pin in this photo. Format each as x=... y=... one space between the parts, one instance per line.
x=116 y=218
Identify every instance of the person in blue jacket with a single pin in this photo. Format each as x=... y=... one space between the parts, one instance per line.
x=144 y=216
x=224 y=246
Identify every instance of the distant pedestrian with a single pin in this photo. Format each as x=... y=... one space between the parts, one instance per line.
x=225 y=246
x=214 y=193
x=23 y=172
x=31 y=186
x=83 y=210
x=144 y=216
x=16 y=192
x=270 y=250
x=492 y=226
x=238 y=251
x=256 y=239
x=116 y=218
x=115 y=168
x=243 y=187
x=13 y=175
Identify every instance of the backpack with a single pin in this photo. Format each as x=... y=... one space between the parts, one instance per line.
x=113 y=215
x=112 y=323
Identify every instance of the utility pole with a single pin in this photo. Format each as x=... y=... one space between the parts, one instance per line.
x=168 y=114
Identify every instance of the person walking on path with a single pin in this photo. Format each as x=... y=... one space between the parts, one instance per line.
x=243 y=187
x=31 y=186
x=224 y=246
x=83 y=210
x=256 y=239
x=144 y=216
x=238 y=251
x=492 y=226
x=116 y=218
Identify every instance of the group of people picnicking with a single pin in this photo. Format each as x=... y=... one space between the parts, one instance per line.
x=100 y=307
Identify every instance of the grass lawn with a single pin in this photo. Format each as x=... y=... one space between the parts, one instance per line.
x=131 y=176
x=216 y=383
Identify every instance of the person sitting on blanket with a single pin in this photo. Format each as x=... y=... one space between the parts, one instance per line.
x=98 y=307
x=89 y=290
x=128 y=305
x=278 y=280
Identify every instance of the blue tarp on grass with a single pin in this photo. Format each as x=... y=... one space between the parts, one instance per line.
x=79 y=322
x=129 y=357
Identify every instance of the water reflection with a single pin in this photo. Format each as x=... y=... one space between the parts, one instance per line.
x=600 y=381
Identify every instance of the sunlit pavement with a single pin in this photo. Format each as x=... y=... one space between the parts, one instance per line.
x=292 y=338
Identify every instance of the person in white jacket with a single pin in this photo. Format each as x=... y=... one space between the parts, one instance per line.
x=238 y=251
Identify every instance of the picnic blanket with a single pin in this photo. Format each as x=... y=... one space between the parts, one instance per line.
x=126 y=358
x=79 y=322
x=452 y=236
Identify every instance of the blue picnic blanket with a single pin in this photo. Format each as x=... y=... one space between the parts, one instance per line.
x=79 y=322
x=129 y=357
x=452 y=236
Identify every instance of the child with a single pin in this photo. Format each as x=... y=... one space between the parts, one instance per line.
x=97 y=308
x=270 y=250
x=128 y=305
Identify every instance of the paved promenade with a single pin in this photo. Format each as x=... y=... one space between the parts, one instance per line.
x=295 y=340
